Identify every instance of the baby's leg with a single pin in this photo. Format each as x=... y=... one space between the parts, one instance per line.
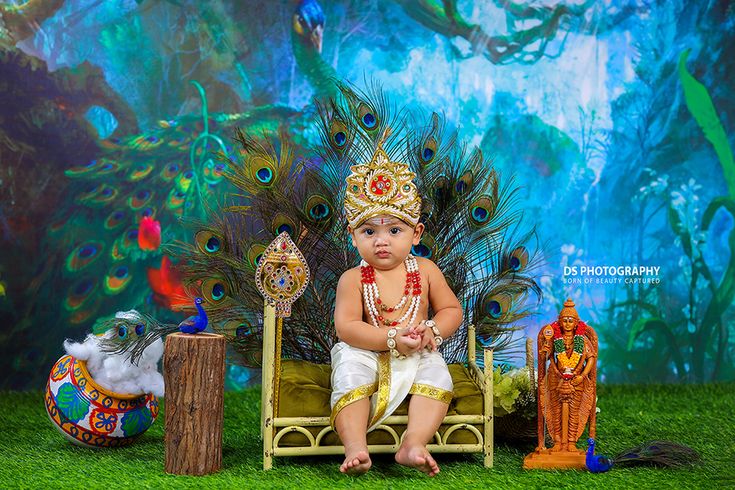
x=351 y=424
x=425 y=415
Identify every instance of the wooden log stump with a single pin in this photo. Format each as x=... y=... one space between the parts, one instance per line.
x=194 y=373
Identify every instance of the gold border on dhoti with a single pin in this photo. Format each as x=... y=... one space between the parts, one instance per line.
x=352 y=396
x=383 y=387
x=429 y=391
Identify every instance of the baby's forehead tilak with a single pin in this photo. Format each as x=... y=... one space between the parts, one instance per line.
x=382 y=220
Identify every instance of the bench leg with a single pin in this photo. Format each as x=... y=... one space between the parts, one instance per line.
x=488 y=422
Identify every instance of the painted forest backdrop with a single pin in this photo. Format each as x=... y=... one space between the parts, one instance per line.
x=615 y=118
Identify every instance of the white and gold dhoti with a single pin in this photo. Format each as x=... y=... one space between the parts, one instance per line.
x=359 y=373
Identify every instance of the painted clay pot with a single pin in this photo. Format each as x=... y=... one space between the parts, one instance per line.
x=89 y=415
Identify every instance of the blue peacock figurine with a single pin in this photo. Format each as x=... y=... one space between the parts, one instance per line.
x=195 y=323
x=653 y=453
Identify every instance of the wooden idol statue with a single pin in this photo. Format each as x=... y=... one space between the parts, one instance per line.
x=567 y=388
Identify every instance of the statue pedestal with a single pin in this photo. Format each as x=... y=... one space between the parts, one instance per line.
x=546 y=459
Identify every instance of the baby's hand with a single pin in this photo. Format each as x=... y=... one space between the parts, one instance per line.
x=407 y=342
x=427 y=336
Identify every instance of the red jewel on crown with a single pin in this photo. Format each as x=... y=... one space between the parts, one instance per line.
x=380 y=184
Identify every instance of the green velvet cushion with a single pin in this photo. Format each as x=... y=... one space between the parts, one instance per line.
x=305 y=390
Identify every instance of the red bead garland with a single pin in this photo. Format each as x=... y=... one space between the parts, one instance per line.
x=411 y=289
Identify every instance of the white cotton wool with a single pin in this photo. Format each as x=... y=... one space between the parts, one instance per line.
x=115 y=372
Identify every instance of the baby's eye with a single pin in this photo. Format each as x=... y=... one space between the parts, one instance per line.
x=395 y=230
x=369 y=231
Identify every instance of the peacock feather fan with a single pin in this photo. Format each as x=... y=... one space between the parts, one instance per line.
x=472 y=227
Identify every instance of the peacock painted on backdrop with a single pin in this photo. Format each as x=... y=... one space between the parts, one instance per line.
x=163 y=174
x=470 y=217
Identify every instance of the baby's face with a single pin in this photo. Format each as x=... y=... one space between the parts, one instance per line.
x=384 y=241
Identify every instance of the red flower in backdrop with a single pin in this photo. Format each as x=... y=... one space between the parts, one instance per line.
x=149 y=234
x=168 y=290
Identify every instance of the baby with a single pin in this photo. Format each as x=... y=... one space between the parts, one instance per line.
x=388 y=346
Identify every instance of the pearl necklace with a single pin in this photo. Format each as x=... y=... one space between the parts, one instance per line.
x=371 y=294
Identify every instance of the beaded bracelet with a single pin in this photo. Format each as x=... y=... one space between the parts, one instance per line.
x=435 y=330
x=392 y=344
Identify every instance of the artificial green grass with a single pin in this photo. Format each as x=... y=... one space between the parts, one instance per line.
x=35 y=455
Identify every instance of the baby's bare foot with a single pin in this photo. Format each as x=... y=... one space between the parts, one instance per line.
x=356 y=463
x=417 y=457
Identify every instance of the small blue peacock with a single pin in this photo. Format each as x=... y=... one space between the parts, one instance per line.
x=653 y=453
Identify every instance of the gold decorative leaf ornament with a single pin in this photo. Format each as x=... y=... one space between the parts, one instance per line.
x=282 y=274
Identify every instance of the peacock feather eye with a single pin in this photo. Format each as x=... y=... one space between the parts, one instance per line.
x=122 y=332
x=254 y=254
x=208 y=242
x=494 y=309
x=480 y=214
x=170 y=171
x=130 y=239
x=79 y=293
x=107 y=168
x=81 y=170
x=442 y=188
x=428 y=150
x=481 y=210
x=264 y=175
x=140 y=329
x=215 y=289
x=243 y=330
x=218 y=291
x=83 y=287
x=338 y=134
x=139 y=199
x=283 y=223
x=139 y=172
x=366 y=116
x=369 y=120
x=148 y=212
x=464 y=183
x=117 y=279
x=175 y=199
x=518 y=259
x=319 y=211
x=213 y=244
x=426 y=247
x=262 y=169
x=421 y=250
x=84 y=255
x=318 y=208
x=183 y=181
x=104 y=196
x=496 y=306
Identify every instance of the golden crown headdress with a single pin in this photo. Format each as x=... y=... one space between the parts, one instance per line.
x=569 y=310
x=381 y=187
